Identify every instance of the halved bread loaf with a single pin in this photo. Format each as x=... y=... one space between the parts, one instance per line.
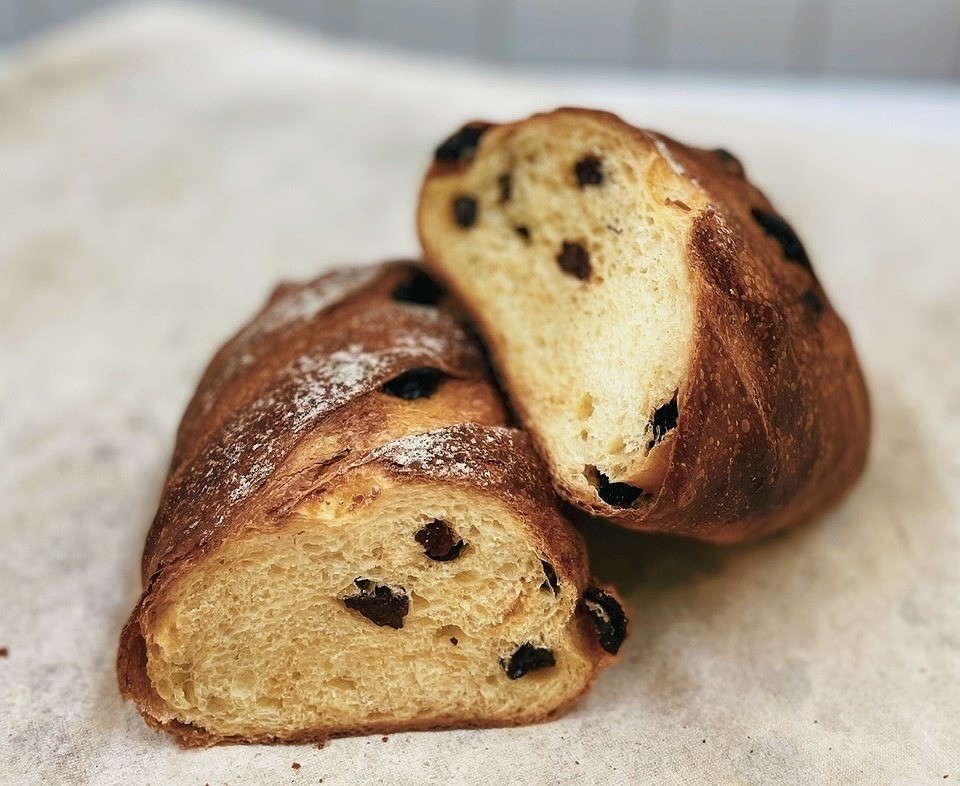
x=657 y=325
x=352 y=540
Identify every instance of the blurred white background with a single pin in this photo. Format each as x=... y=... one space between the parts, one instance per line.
x=882 y=38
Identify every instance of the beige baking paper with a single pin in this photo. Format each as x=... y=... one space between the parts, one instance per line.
x=160 y=168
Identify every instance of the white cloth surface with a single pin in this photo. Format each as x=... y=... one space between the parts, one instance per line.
x=162 y=167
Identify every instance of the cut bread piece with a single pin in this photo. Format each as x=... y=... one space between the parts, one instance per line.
x=656 y=324
x=337 y=553
x=417 y=589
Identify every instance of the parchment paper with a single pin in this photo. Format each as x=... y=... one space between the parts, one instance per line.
x=161 y=167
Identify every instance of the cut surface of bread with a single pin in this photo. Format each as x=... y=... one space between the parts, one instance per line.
x=342 y=620
x=656 y=324
x=359 y=543
x=577 y=282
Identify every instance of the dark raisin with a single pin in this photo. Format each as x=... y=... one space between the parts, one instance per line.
x=665 y=418
x=608 y=617
x=552 y=582
x=729 y=161
x=413 y=384
x=527 y=658
x=813 y=301
x=420 y=289
x=506 y=186
x=439 y=541
x=783 y=233
x=524 y=232
x=381 y=604
x=575 y=260
x=454 y=641
x=620 y=495
x=462 y=145
x=589 y=171
x=465 y=211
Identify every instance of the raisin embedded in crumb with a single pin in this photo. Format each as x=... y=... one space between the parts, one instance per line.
x=439 y=541
x=813 y=301
x=729 y=161
x=523 y=231
x=381 y=604
x=665 y=419
x=465 y=211
x=462 y=145
x=505 y=181
x=620 y=495
x=575 y=260
x=420 y=288
x=608 y=617
x=527 y=658
x=783 y=233
x=416 y=383
x=384 y=738
x=589 y=171
x=295 y=765
x=454 y=641
x=4 y=652
x=552 y=582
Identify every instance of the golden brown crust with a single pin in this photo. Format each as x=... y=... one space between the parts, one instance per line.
x=267 y=389
x=291 y=407
x=189 y=736
x=774 y=416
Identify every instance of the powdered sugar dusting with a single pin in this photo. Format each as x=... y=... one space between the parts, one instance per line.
x=453 y=452
x=306 y=301
x=319 y=384
x=437 y=343
x=326 y=383
x=292 y=303
x=668 y=156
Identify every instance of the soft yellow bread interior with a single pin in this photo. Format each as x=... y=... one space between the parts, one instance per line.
x=591 y=352
x=257 y=638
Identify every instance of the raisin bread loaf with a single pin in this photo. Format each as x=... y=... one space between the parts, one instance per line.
x=351 y=538
x=656 y=323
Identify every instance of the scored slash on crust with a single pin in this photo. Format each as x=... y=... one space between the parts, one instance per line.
x=416 y=383
x=420 y=289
